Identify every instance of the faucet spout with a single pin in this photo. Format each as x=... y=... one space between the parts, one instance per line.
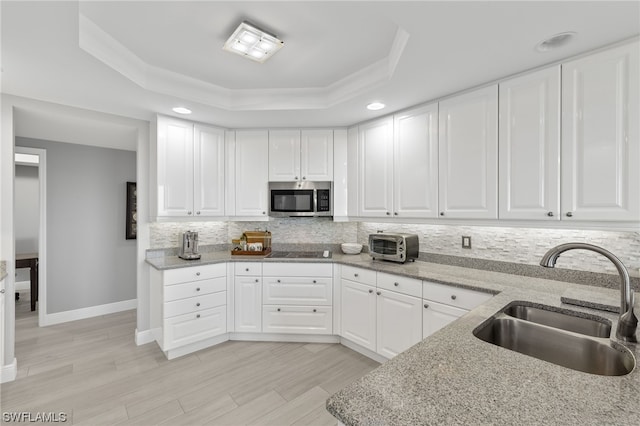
x=627 y=323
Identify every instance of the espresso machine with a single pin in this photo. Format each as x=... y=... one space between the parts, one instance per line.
x=189 y=247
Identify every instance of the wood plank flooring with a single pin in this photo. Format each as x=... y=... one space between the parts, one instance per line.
x=93 y=371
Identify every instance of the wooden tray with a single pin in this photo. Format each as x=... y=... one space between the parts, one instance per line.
x=250 y=253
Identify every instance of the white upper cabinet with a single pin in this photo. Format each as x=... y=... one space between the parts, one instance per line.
x=296 y=155
x=190 y=169
x=375 y=148
x=600 y=138
x=415 y=168
x=529 y=157
x=252 y=173
x=468 y=152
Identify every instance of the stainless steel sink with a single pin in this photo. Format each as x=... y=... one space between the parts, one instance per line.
x=532 y=331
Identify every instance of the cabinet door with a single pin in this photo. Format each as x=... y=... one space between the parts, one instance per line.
x=284 y=155
x=248 y=304
x=358 y=313
x=436 y=316
x=252 y=172
x=530 y=146
x=415 y=144
x=600 y=138
x=375 y=147
x=175 y=167
x=468 y=152
x=316 y=155
x=399 y=322
x=209 y=171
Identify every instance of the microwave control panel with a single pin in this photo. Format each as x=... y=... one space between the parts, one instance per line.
x=323 y=200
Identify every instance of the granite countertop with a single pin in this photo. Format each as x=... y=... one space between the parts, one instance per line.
x=3 y=269
x=452 y=377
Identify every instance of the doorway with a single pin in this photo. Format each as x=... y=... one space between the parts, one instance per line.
x=30 y=232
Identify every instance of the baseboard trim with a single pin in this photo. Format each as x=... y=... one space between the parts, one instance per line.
x=362 y=350
x=9 y=372
x=93 y=311
x=193 y=347
x=144 y=337
x=297 y=338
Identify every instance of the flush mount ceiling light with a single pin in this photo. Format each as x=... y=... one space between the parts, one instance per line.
x=252 y=43
x=555 y=41
x=182 y=110
x=375 y=106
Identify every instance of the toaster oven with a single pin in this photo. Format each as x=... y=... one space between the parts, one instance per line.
x=394 y=247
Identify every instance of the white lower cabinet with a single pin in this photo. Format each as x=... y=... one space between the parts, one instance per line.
x=437 y=315
x=247 y=303
x=297 y=298
x=359 y=313
x=398 y=322
x=189 y=305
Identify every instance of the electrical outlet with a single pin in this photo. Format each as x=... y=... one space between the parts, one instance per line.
x=466 y=242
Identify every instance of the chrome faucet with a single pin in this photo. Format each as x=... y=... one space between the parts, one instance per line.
x=627 y=322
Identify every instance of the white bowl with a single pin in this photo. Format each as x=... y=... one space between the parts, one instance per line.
x=351 y=248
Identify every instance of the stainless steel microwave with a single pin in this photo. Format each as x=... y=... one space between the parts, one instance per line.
x=300 y=199
x=394 y=247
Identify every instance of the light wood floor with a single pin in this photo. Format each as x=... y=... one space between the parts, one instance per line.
x=93 y=371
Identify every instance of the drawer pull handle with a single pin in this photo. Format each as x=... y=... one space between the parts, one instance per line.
x=355 y=275
x=198 y=316
x=278 y=309
x=247 y=269
x=378 y=293
x=314 y=281
x=197 y=288
x=198 y=274
x=396 y=284
x=426 y=306
x=370 y=291
x=454 y=297
x=315 y=310
x=569 y=214
x=278 y=280
x=198 y=304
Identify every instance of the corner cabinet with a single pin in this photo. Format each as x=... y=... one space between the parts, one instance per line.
x=296 y=155
x=190 y=169
x=529 y=157
x=600 y=137
x=468 y=155
x=251 y=173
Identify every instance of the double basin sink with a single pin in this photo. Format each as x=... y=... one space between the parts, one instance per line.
x=570 y=339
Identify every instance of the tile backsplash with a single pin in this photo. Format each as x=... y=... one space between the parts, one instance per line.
x=516 y=245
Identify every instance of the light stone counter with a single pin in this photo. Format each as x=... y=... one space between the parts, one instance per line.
x=3 y=269
x=452 y=377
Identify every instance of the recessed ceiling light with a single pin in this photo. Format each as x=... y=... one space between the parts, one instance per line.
x=253 y=43
x=182 y=110
x=375 y=106
x=555 y=41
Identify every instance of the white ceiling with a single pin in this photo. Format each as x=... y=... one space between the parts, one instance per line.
x=140 y=58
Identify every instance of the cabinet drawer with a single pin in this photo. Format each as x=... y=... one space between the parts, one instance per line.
x=195 y=288
x=454 y=296
x=364 y=276
x=248 y=268
x=184 y=329
x=297 y=319
x=193 y=273
x=297 y=269
x=297 y=291
x=404 y=285
x=195 y=304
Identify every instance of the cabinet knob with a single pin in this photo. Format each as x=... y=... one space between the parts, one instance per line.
x=396 y=284
x=189 y=213
x=198 y=274
x=278 y=309
x=355 y=275
x=304 y=178
x=378 y=293
x=278 y=280
x=257 y=280
x=198 y=289
x=314 y=281
x=315 y=310
x=296 y=178
x=247 y=269
x=441 y=213
x=454 y=297
x=370 y=291
x=198 y=304
x=388 y=214
x=426 y=305
x=395 y=213
x=569 y=214
x=264 y=212
x=198 y=316
x=550 y=214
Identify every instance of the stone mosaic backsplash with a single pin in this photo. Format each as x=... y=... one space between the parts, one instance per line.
x=516 y=245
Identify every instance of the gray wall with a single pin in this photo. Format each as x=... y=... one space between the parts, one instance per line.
x=26 y=221
x=89 y=261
